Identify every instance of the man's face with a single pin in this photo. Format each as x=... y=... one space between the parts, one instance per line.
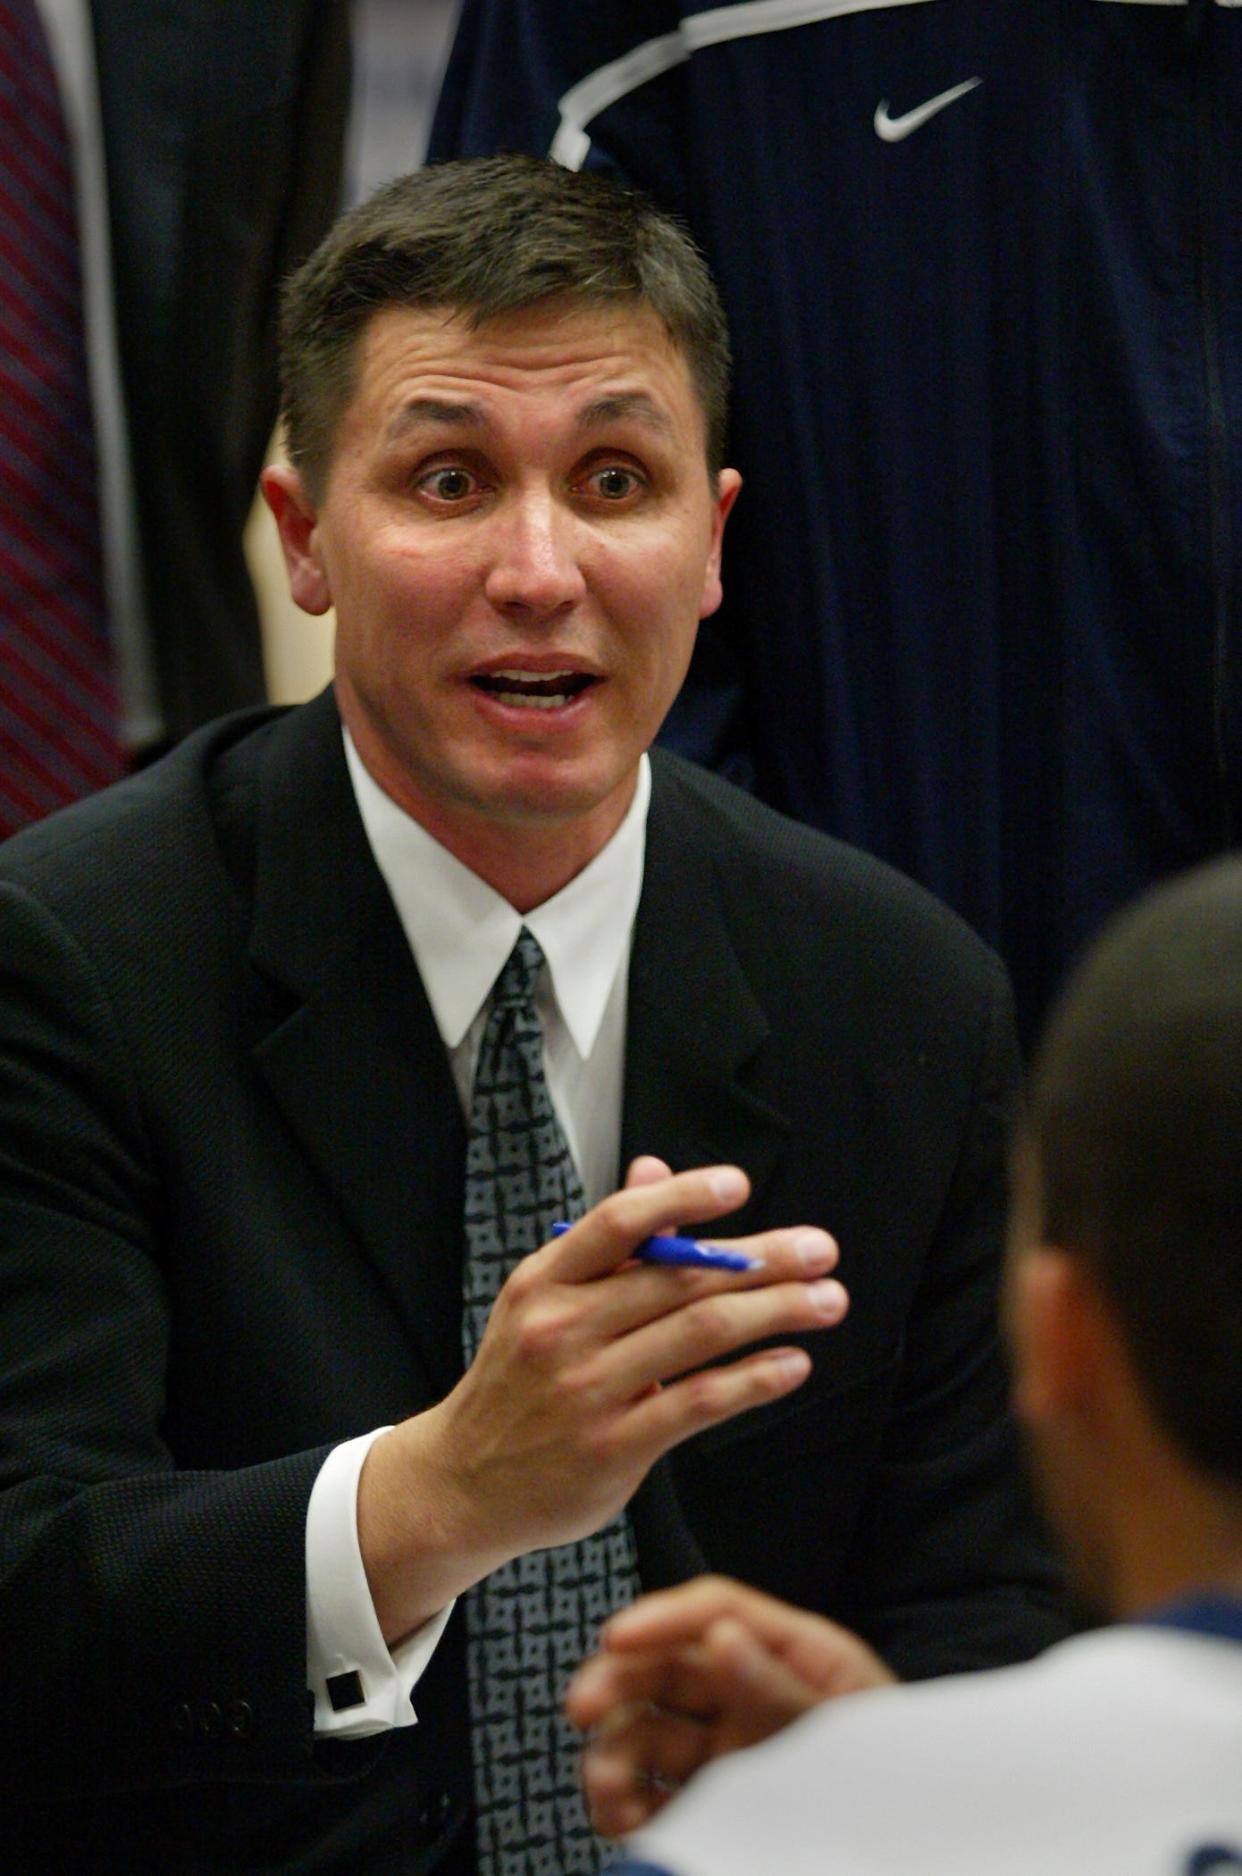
x=519 y=534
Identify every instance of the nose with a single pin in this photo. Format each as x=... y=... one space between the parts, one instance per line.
x=535 y=568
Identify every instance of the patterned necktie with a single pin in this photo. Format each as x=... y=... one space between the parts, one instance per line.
x=532 y=1621
x=58 y=714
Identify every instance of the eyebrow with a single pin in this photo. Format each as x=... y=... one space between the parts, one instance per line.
x=636 y=405
x=623 y=404
x=421 y=410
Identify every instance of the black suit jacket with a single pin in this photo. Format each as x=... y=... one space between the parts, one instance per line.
x=230 y=1187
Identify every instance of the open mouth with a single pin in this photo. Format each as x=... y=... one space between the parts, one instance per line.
x=549 y=690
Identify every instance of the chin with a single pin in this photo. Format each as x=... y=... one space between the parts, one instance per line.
x=553 y=794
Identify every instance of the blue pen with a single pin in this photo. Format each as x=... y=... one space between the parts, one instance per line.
x=685 y=1253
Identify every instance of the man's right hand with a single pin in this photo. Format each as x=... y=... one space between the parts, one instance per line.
x=689 y=1674
x=592 y=1366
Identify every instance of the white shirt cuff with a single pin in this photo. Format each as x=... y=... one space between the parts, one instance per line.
x=360 y=1685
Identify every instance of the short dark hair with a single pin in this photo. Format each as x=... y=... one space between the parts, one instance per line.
x=1135 y=1126
x=487 y=236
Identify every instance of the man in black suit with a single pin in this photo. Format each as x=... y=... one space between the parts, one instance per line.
x=241 y=1002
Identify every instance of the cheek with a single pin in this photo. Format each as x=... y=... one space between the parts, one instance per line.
x=401 y=598
x=663 y=583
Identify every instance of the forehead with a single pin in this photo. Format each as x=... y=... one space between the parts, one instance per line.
x=571 y=358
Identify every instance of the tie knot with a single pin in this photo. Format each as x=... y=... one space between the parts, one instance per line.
x=515 y=987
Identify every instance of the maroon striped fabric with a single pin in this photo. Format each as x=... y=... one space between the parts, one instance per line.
x=59 y=735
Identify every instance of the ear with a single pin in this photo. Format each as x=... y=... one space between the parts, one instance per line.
x=728 y=483
x=1064 y=1338
x=297 y=524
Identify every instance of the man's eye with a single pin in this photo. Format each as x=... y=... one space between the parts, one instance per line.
x=452 y=484
x=614 y=482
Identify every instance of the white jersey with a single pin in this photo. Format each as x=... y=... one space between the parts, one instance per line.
x=1115 y=1754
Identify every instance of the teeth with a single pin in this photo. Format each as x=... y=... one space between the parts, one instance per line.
x=534 y=690
x=528 y=677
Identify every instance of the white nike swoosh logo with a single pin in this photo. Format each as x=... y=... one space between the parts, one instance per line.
x=894 y=129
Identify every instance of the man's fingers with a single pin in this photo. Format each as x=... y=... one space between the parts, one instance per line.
x=609 y=1684
x=810 y=1659
x=630 y=1769
x=684 y=1340
x=633 y=1298
x=820 y=1654
x=620 y=1795
x=646 y=1169
x=727 y=1691
x=659 y=1714
x=660 y=1717
x=611 y=1230
x=669 y=1618
x=662 y=1417
x=758 y=1691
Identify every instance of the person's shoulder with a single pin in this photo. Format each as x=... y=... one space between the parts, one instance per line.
x=811 y=883
x=1059 y=1763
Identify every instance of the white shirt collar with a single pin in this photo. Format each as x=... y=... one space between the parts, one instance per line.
x=461 y=931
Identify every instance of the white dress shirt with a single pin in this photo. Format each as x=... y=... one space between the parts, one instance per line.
x=461 y=934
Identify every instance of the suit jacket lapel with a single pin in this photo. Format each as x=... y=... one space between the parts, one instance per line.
x=357 y=1065
x=694 y=1036
x=695 y=1033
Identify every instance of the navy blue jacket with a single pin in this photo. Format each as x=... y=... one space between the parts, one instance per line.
x=981 y=609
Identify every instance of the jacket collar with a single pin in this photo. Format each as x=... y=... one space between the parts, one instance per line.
x=357 y=1066
x=697 y=1037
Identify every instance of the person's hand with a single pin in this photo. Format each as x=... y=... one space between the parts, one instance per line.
x=688 y=1674
x=592 y=1366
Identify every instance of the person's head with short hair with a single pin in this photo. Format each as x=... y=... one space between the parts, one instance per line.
x=1128 y=1228
x=504 y=391
x=488 y=236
